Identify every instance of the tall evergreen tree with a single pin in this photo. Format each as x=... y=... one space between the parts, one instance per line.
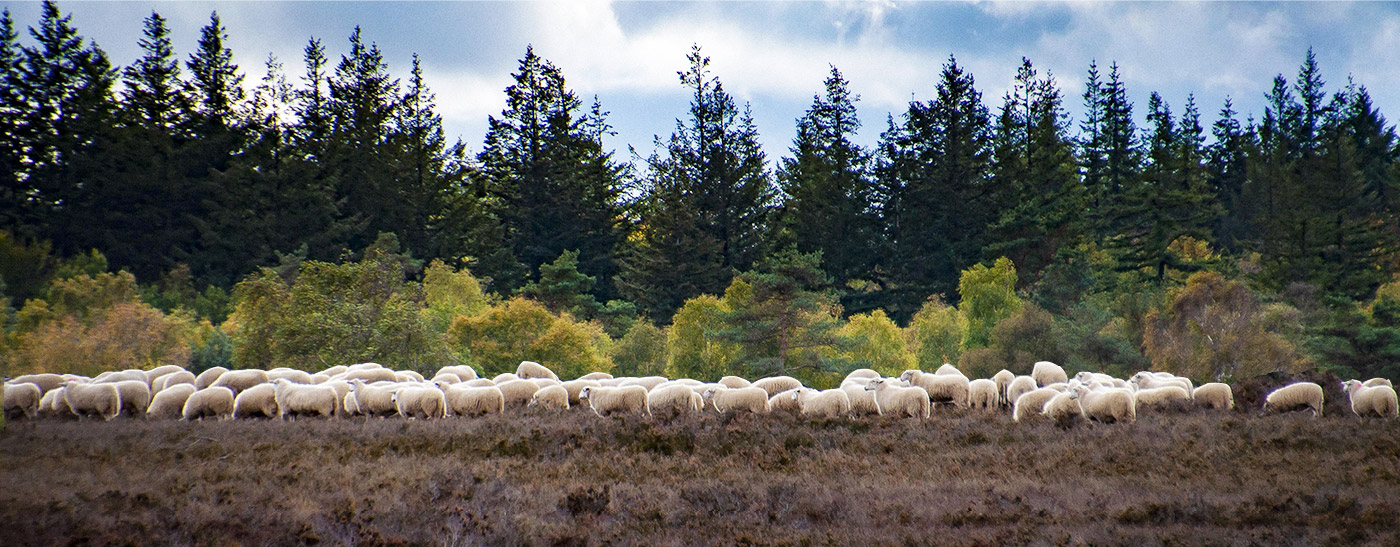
x=1228 y=171
x=363 y=102
x=215 y=83
x=153 y=97
x=1110 y=153
x=13 y=193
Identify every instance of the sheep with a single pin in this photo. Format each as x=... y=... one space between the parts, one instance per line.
x=364 y=366
x=169 y=404
x=544 y=382
x=862 y=374
x=1031 y=403
x=1368 y=400
x=1085 y=377
x=212 y=401
x=239 y=380
x=519 y=392
x=862 y=401
x=893 y=400
x=114 y=376
x=368 y=374
x=320 y=378
x=479 y=382
x=1045 y=373
x=949 y=370
x=1062 y=409
x=54 y=405
x=296 y=376
x=1019 y=386
x=208 y=377
x=334 y=371
x=349 y=405
x=464 y=400
x=1214 y=395
x=370 y=400
x=787 y=402
x=777 y=384
x=752 y=399
x=85 y=400
x=1110 y=405
x=420 y=402
x=554 y=397
x=136 y=396
x=446 y=379
x=606 y=401
x=595 y=376
x=1160 y=396
x=462 y=372
x=22 y=400
x=531 y=369
x=672 y=400
x=1003 y=379
x=575 y=386
x=941 y=388
x=301 y=399
x=1147 y=380
x=734 y=382
x=162 y=370
x=827 y=403
x=259 y=401
x=1378 y=382
x=504 y=377
x=1296 y=396
x=982 y=393
x=172 y=379
x=46 y=382
x=649 y=382
x=341 y=388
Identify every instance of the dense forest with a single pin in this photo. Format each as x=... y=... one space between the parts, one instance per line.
x=186 y=210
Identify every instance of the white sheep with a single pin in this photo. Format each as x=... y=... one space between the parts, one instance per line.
x=162 y=370
x=350 y=406
x=948 y=369
x=595 y=376
x=212 y=401
x=505 y=377
x=170 y=402
x=777 y=384
x=334 y=371
x=298 y=399
x=893 y=400
x=982 y=393
x=862 y=401
x=1108 y=405
x=408 y=376
x=172 y=379
x=239 y=380
x=462 y=372
x=22 y=400
x=1378 y=382
x=102 y=400
x=1148 y=380
x=1031 y=403
x=672 y=400
x=1296 y=396
x=752 y=399
x=531 y=369
x=136 y=396
x=649 y=382
x=342 y=388
x=46 y=381
x=1368 y=400
x=941 y=388
x=734 y=382
x=862 y=374
x=480 y=382
x=54 y=405
x=368 y=375
x=553 y=397
x=1003 y=379
x=114 y=376
x=575 y=386
x=544 y=382
x=259 y=401
x=1156 y=397
x=827 y=403
x=786 y=402
x=606 y=400
x=420 y=402
x=296 y=376
x=1019 y=386
x=208 y=377
x=1062 y=409
x=371 y=400
x=519 y=392
x=446 y=379
x=465 y=400
x=1214 y=395
x=1046 y=373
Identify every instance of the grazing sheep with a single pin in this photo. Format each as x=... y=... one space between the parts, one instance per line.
x=1378 y=382
x=462 y=372
x=575 y=386
x=172 y=379
x=342 y=388
x=54 y=405
x=595 y=376
x=734 y=382
x=1019 y=386
x=649 y=382
x=544 y=382
x=519 y=392
x=420 y=402
x=1003 y=379
x=941 y=388
x=553 y=397
x=259 y=401
x=464 y=400
x=369 y=375
x=239 y=380
x=893 y=400
x=162 y=370
x=1062 y=409
x=1367 y=400
x=136 y=396
x=505 y=377
x=1296 y=396
x=480 y=382
x=1032 y=403
x=212 y=401
x=299 y=399
x=606 y=401
x=752 y=399
x=1160 y=396
x=364 y=366
x=208 y=377
x=334 y=371
x=114 y=376
x=1110 y=405
x=827 y=403
x=531 y=369
x=777 y=384
x=982 y=393
x=862 y=374
x=786 y=402
x=408 y=376
x=22 y=400
x=446 y=379
x=45 y=381
x=85 y=400
x=169 y=404
x=949 y=370
x=1046 y=373
x=320 y=378
x=349 y=405
x=296 y=376
x=862 y=401
x=670 y=401
x=1214 y=395
x=371 y=400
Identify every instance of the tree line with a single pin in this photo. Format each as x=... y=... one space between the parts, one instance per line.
x=178 y=165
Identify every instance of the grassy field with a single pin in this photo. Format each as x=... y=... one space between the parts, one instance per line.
x=1191 y=477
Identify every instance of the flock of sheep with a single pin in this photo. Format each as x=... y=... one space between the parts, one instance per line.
x=369 y=389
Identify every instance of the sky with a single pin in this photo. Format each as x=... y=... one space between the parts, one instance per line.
x=775 y=55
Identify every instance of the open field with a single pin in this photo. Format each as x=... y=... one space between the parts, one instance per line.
x=961 y=478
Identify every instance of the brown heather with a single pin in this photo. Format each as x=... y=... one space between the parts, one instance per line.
x=963 y=478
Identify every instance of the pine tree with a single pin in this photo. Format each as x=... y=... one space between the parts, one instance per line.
x=363 y=102
x=1228 y=175
x=1111 y=154
x=215 y=82
x=13 y=191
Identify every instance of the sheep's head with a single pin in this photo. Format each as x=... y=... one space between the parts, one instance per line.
x=583 y=394
x=908 y=375
x=1350 y=386
x=1076 y=391
x=709 y=394
x=875 y=384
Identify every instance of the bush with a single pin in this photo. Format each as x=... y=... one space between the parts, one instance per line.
x=125 y=335
x=695 y=346
x=988 y=296
x=501 y=336
x=641 y=351
x=875 y=341
x=936 y=334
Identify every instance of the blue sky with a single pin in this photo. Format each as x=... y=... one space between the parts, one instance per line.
x=774 y=55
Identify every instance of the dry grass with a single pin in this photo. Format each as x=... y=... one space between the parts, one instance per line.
x=576 y=479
